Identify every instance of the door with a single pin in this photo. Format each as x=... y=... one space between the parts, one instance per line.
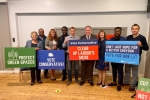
x=147 y=61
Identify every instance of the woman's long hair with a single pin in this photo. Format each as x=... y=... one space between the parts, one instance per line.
x=50 y=36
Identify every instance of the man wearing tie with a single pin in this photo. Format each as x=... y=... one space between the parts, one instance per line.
x=87 y=65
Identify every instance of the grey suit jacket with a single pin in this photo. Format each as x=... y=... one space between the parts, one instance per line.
x=92 y=37
x=50 y=43
x=39 y=44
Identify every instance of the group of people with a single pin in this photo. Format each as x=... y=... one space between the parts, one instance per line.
x=53 y=42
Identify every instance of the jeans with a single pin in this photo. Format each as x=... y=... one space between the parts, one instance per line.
x=76 y=69
x=134 y=68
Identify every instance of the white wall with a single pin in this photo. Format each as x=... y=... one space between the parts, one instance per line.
x=78 y=13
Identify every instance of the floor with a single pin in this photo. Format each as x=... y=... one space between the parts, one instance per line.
x=12 y=89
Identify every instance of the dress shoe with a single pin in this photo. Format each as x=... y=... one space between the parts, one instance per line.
x=64 y=78
x=91 y=83
x=32 y=83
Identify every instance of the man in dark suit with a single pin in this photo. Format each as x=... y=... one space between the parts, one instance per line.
x=42 y=37
x=87 y=65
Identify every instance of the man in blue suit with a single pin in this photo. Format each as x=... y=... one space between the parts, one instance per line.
x=117 y=67
x=42 y=37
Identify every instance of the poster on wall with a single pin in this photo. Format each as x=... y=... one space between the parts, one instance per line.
x=51 y=59
x=83 y=49
x=126 y=52
x=143 y=90
x=20 y=57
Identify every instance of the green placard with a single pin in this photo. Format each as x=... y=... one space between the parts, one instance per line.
x=144 y=84
x=20 y=57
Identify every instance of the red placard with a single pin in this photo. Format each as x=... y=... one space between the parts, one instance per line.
x=83 y=53
x=140 y=95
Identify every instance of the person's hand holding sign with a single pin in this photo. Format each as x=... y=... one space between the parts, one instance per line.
x=54 y=47
x=66 y=40
x=139 y=44
x=48 y=48
x=37 y=48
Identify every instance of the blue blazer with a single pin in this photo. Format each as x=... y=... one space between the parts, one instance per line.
x=121 y=38
x=39 y=44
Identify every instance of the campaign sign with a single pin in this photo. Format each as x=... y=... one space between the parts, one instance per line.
x=83 y=49
x=51 y=59
x=143 y=90
x=122 y=52
x=20 y=57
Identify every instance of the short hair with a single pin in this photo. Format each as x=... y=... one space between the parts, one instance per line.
x=72 y=28
x=99 y=34
x=49 y=37
x=135 y=25
x=118 y=28
x=88 y=26
x=41 y=29
x=65 y=28
x=33 y=32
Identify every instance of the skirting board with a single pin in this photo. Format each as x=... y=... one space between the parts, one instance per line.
x=17 y=71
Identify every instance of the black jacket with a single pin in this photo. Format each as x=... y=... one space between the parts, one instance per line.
x=61 y=41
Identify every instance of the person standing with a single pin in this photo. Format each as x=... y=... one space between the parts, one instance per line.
x=101 y=65
x=70 y=63
x=87 y=65
x=143 y=46
x=42 y=37
x=61 y=39
x=117 y=67
x=51 y=44
x=34 y=43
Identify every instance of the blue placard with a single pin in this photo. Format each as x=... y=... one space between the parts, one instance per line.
x=51 y=59
x=83 y=42
x=126 y=52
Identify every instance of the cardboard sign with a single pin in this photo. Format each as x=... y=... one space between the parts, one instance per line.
x=83 y=49
x=51 y=59
x=122 y=52
x=20 y=57
x=143 y=91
